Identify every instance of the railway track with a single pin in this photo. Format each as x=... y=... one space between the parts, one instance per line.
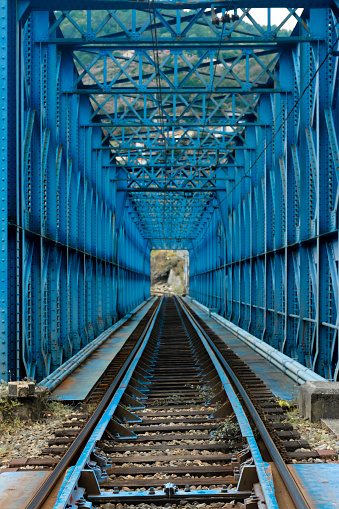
x=171 y=428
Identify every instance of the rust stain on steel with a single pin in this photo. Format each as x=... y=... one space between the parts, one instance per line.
x=17 y=488
x=280 y=384
x=78 y=385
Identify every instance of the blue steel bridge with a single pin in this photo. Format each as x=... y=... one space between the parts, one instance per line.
x=140 y=125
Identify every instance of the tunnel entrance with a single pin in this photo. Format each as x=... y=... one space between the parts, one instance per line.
x=169 y=271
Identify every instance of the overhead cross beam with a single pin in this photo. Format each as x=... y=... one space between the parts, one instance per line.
x=220 y=137
x=174 y=92
x=54 y=5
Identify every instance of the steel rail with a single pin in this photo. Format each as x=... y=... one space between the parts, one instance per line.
x=288 y=479
x=292 y=368
x=65 y=370
x=73 y=475
x=45 y=490
x=264 y=476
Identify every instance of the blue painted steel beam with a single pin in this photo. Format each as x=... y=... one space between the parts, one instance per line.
x=63 y=218
x=54 y=5
x=74 y=473
x=180 y=28
x=78 y=232
x=100 y=43
x=173 y=189
x=5 y=54
x=268 y=259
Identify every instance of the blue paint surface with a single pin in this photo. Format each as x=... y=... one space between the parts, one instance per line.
x=279 y=383
x=231 y=155
x=320 y=481
x=77 y=386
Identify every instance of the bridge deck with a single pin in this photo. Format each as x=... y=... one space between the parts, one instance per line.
x=279 y=383
x=78 y=385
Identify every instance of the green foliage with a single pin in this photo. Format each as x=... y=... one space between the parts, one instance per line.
x=6 y=407
x=162 y=263
x=56 y=409
x=229 y=431
x=174 y=399
x=164 y=260
x=179 y=289
x=6 y=404
x=78 y=24
x=9 y=421
x=11 y=415
x=199 y=30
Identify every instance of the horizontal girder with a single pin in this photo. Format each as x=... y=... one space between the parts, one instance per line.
x=160 y=106
x=54 y=5
x=179 y=30
x=185 y=100
x=139 y=73
x=168 y=125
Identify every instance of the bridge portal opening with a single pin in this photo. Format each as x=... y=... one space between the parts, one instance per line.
x=169 y=271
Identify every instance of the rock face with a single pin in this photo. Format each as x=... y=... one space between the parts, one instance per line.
x=173 y=279
x=168 y=271
x=160 y=276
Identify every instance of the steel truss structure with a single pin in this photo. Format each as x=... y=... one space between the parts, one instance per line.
x=167 y=125
x=269 y=259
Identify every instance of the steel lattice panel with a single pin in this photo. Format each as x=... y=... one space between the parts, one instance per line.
x=76 y=258
x=114 y=150
x=273 y=270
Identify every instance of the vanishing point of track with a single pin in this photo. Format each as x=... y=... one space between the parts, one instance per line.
x=182 y=420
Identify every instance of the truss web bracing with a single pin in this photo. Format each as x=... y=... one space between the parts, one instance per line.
x=167 y=125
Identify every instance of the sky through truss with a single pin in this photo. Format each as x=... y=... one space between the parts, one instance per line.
x=277 y=15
